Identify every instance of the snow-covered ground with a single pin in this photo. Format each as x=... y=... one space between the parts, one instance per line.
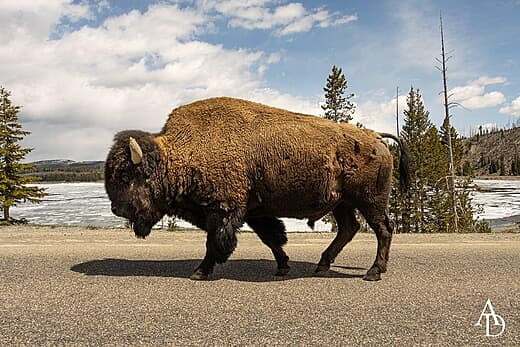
x=85 y=204
x=500 y=198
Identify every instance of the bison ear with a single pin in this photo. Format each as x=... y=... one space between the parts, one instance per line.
x=136 y=153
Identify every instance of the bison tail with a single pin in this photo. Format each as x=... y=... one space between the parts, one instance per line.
x=404 y=161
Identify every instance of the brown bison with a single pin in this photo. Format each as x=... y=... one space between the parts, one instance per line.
x=220 y=162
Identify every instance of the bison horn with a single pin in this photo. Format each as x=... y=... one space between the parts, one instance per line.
x=135 y=151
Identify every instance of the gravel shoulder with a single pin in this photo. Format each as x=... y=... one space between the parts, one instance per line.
x=79 y=286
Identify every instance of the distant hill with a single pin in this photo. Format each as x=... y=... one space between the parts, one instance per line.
x=62 y=170
x=493 y=153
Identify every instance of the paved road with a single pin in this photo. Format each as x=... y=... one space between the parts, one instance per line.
x=65 y=286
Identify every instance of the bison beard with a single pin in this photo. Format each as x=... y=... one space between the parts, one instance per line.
x=141 y=229
x=220 y=162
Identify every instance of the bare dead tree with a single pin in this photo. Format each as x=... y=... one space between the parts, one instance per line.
x=397 y=109
x=447 y=127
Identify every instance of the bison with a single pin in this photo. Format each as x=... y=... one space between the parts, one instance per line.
x=220 y=162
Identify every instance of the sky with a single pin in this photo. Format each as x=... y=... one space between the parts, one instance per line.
x=84 y=70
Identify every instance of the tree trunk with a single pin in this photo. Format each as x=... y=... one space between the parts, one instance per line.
x=447 y=127
x=6 y=213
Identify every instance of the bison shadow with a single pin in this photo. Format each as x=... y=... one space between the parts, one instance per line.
x=247 y=270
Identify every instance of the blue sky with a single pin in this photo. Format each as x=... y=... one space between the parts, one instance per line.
x=84 y=70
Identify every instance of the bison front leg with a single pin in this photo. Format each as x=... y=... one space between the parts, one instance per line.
x=208 y=263
x=220 y=243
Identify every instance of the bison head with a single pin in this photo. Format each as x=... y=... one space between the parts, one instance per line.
x=133 y=180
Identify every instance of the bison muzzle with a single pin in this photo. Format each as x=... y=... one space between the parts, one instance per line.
x=220 y=162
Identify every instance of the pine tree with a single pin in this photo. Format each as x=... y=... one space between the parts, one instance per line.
x=438 y=217
x=515 y=164
x=428 y=206
x=338 y=107
x=415 y=133
x=467 y=169
x=13 y=188
x=502 y=166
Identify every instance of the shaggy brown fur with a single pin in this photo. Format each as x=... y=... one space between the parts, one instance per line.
x=221 y=162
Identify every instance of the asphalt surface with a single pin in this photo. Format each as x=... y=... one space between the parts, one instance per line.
x=78 y=286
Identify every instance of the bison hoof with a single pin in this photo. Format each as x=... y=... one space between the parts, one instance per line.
x=372 y=275
x=322 y=268
x=199 y=276
x=282 y=271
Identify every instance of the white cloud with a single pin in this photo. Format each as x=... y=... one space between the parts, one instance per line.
x=380 y=115
x=474 y=96
x=303 y=24
x=102 y=5
x=484 y=101
x=37 y=19
x=286 y=19
x=77 y=90
x=274 y=58
x=512 y=109
x=486 y=80
x=345 y=19
x=129 y=72
x=286 y=101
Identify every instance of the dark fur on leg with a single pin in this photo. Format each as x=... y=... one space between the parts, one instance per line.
x=271 y=230
x=225 y=243
x=382 y=225
x=222 y=227
x=208 y=263
x=348 y=226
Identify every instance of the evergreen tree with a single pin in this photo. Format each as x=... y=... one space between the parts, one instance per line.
x=436 y=191
x=13 y=188
x=467 y=169
x=515 y=165
x=502 y=166
x=415 y=132
x=338 y=107
x=428 y=206
x=493 y=167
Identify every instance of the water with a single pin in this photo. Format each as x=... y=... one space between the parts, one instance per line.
x=86 y=204
x=500 y=198
x=81 y=204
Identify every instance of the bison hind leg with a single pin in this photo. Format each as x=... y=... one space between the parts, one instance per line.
x=271 y=231
x=383 y=226
x=348 y=226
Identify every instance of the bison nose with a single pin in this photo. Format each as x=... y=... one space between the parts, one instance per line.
x=114 y=210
